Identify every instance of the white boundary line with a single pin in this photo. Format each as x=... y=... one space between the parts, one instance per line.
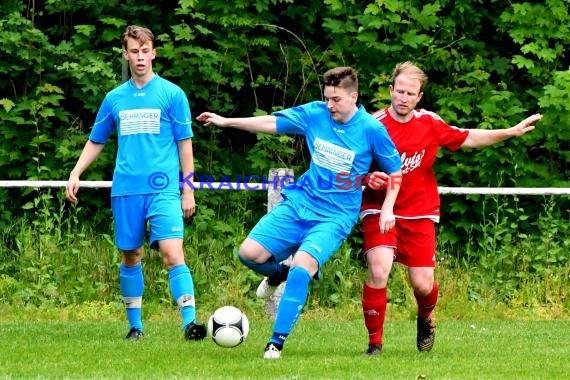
x=266 y=186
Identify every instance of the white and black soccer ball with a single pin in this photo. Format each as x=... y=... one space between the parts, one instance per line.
x=228 y=326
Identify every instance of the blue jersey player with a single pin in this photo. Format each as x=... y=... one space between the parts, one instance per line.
x=151 y=117
x=320 y=209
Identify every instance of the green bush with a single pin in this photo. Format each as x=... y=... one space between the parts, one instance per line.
x=60 y=58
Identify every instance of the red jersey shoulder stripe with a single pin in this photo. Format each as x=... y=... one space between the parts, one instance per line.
x=379 y=115
x=422 y=112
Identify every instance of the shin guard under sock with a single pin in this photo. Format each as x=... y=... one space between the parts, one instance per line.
x=182 y=290
x=291 y=304
x=131 y=282
x=374 y=302
x=426 y=304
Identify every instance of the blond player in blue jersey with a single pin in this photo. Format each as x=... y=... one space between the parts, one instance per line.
x=151 y=117
x=319 y=211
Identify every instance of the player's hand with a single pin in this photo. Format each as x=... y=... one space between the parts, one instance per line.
x=209 y=118
x=526 y=125
x=378 y=180
x=71 y=188
x=188 y=204
x=387 y=220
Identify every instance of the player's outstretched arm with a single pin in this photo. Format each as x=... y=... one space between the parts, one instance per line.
x=479 y=138
x=264 y=124
x=90 y=152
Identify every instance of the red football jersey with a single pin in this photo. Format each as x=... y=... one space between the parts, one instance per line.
x=417 y=142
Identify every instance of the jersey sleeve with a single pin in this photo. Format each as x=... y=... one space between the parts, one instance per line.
x=450 y=137
x=294 y=120
x=104 y=124
x=180 y=115
x=385 y=153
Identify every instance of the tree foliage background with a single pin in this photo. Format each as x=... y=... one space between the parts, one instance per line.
x=490 y=64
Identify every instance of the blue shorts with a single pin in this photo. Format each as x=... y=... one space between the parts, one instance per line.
x=131 y=212
x=290 y=227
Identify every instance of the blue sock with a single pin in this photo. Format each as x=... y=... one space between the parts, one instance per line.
x=268 y=268
x=291 y=304
x=182 y=289
x=131 y=281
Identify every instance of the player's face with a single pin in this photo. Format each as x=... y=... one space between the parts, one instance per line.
x=140 y=57
x=405 y=94
x=341 y=103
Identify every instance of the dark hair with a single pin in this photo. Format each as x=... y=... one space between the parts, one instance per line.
x=343 y=77
x=139 y=33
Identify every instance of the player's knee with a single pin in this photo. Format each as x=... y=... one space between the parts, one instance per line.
x=378 y=277
x=172 y=259
x=132 y=257
x=423 y=288
x=252 y=251
x=378 y=270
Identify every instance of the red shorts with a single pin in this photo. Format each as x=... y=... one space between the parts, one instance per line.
x=413 y=240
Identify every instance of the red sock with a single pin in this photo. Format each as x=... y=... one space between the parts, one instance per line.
x=426 y=304
x=374 y=309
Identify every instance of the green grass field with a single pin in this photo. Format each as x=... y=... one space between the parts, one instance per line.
x=326 y=349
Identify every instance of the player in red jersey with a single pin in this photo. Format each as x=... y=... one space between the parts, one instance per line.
x=417 y=134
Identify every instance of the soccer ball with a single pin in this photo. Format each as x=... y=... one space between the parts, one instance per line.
x=228 y=326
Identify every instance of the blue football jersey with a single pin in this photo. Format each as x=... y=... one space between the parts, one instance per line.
x=149 y=121
x=341 y=155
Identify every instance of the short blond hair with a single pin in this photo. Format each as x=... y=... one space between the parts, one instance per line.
x=412 y=70
x=139 y=33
